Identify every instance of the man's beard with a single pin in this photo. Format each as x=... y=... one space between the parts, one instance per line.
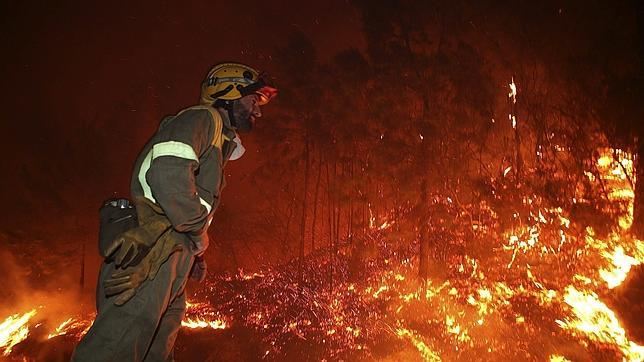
x=241 y=117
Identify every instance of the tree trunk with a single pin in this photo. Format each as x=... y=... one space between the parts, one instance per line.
x=518 y=160
x=638 y=209
x=315 y=203
x=288 y=224
x=423 y=267
x=81 y=282
x=336 y=213
x=304 y=205
x=352 y=191
x=329 y=219
x=329 y=202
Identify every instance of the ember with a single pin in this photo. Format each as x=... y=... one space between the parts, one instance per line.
x=441 y=319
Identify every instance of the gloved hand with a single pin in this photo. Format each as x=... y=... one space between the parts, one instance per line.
x=130 y=246
x=199 y=269
x=127 y=280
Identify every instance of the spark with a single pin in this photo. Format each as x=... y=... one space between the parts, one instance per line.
x=513 y=91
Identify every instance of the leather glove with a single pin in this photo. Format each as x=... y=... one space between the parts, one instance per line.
x=199 y=269
x=129 y=247
x=126 y=281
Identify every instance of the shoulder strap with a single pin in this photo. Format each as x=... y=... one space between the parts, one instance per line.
x=218 y=124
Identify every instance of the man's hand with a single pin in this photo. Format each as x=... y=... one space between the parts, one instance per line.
x=132 y=244
x=126 y=281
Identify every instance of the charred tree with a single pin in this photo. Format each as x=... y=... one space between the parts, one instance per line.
x=304 y=208
x=638 y=210
x=285 y=243
x=315 y=202
x=81 y=282
x=423 y=222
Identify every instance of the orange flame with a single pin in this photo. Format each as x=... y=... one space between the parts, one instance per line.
x=596 y=321
x=14 y=330
x=61 y=329
x=202 y=323
x=425 y=351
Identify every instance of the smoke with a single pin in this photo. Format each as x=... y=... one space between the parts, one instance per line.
x=38 y=278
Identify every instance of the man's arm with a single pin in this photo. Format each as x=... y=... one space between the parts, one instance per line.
x=175 y=159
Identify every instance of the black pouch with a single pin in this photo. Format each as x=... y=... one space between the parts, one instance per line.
x=116 y=216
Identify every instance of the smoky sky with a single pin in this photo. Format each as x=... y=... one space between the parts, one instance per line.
x=85 y=84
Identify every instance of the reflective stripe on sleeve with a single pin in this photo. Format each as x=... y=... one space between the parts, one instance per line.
x=206 y=204
x=145 y=166
x=174 y=148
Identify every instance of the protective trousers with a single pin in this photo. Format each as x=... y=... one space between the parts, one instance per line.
x=144 y=328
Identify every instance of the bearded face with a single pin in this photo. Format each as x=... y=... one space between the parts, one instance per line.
x=245 y=110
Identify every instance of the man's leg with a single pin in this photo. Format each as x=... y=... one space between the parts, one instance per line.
x=124 y=333
x=162 y=347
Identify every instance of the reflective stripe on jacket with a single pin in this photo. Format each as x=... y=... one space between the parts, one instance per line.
x=181 y=170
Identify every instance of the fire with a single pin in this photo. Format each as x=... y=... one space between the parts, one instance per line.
x=427 y=353
x=75 y=326
x=14 y=330
x=61 y=329
x=542 y=264
x=616 y=171
x=593 y=319
x=621 y=263
x=384 y=225
x=558 y=358
x=201 y=323
x=513 y=91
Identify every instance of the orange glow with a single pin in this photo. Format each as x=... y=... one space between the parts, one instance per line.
x=542 y=262
x=593 y=319
x=61 y=329
x=14 y=330
x=621 y=265
x=201 y=323
x=427 y=353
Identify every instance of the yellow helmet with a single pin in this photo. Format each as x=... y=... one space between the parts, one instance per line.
x=230 y=81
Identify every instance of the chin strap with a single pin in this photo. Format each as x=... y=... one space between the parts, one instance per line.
x=228 y=106
x=231 y=116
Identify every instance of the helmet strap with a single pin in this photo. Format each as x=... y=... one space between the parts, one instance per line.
x=231 y=116
x=228 y=106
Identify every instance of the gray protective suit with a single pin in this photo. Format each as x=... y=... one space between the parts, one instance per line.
x=181 y=170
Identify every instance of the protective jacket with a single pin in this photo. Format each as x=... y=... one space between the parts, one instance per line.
x=181 y=169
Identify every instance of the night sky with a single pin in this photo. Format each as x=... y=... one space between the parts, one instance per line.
x=85 y=86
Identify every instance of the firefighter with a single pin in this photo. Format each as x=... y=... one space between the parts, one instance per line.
x=175 y=187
